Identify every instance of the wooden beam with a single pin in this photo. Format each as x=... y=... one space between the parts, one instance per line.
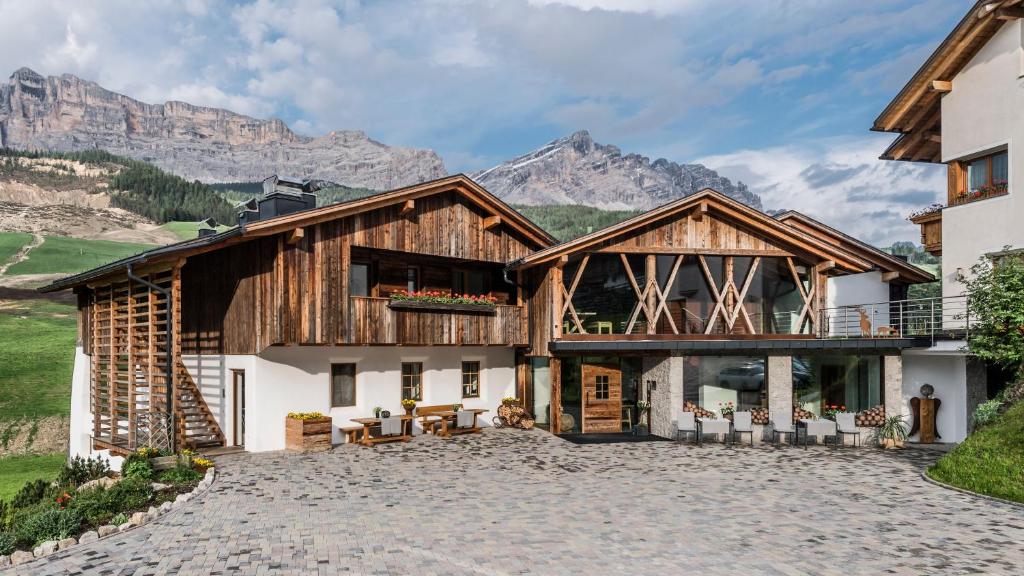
x=407 y=207
x=296 y=235
x=826 y=265
x=1010 y=13
x=987 y=9
x=674 y=250
x=890 y=276
x=933 y=136
x=699 y=211
x=491 y=222
x=562 y=261
x=942 y=85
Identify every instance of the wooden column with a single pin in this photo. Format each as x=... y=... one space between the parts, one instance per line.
x=555 y=373
x=651 y=278
x=555 y=277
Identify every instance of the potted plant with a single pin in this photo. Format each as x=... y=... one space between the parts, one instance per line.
x=892 y=433
x=831 y=410
x=456 y=407
x=727 y=409
x=642 y=408
x=307 y=431
x=376 y=411
x=410 y=405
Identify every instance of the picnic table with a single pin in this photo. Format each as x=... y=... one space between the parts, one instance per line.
x=816 y=427
x=449 y=416
x=368 y=423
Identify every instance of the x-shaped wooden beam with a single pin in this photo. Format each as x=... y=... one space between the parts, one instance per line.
x=808 y=298
x=567 y=295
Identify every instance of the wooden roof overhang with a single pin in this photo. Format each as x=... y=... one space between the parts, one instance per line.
x=707 y=200
x=166 y=256
x=916 y=112
x=890 y=265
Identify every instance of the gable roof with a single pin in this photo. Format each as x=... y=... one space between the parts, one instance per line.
x=916 y=111
x=729 y=209
x=459 y=183
x=883 y=260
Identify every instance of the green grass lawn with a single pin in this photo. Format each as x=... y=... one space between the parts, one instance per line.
x=60 y=254
x=15 y=471
x=11 y=242
x=187 y=230
x=990 y=461
x=37 y=351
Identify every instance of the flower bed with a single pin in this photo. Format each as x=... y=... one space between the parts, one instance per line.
x=87 y=501
x=435 y=300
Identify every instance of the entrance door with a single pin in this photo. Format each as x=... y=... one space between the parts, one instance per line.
x=602 y=398
x=238 y=386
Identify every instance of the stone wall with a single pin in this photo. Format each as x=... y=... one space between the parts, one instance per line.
x=667 y=398
x=780 y=385
x=892 y=385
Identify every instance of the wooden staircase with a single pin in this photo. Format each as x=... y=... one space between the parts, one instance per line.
x=196 y=426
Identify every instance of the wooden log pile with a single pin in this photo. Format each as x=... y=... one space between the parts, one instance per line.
x=515 y=416
x=759 y=416
x=872 y=417
x=801 y=414
x=697 y=410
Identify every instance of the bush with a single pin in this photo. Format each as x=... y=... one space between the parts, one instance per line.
x=137 y=469
x=48 y=524
x=99 y=505
x=81 y=470
x=119 y=518
x=7 y=543
x=130 y=494
x=987 y=412
x=180 y=475
x=30 y=494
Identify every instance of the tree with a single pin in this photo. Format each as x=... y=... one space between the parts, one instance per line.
x=995 y=303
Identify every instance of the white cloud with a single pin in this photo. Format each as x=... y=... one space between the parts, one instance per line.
x=841 y=182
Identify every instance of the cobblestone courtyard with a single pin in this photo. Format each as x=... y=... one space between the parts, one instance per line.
x=512 y=502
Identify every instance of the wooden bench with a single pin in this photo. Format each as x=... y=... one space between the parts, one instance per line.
x=428 y=418
x=351 y=433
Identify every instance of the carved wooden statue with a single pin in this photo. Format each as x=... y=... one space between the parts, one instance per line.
x=925 y=410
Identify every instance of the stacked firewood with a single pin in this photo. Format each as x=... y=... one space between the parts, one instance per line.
x=759 y=416
x=872 y=417
x=801 y=414
x=515 y=416
x=697 y=410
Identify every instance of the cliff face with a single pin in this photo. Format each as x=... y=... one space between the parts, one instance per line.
x=577 y=170
x=210 y=144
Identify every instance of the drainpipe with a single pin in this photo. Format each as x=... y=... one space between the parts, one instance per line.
x=170 y=351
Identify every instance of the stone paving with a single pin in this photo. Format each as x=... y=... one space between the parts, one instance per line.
x=513 y=502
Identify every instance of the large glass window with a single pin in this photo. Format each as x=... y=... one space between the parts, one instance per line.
x=343 y=385
x=604 y=299
x=988 y=172
x=853 y=382
x=412 y=381
x=712 y=382
x=540 y=374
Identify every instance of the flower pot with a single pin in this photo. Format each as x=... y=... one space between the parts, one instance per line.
x=408 y=411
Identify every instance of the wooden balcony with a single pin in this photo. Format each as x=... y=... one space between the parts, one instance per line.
x=373 y=321
x=931 y=231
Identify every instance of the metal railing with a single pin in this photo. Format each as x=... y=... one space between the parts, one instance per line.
x=944 y=317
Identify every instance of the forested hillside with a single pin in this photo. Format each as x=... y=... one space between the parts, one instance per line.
x=238 y=192
x=135 y=185
x=566 y=222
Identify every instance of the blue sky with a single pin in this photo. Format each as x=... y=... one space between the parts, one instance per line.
x=779 y=94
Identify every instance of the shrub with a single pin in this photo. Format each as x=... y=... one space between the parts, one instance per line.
x=7 y=543
x=987 y=412
x=101 y=505
x=48 y=524
x=130 y=494
x=30 y=494
x=180 y=475
x=119 y=518
x=137 y=469
x=81 y=470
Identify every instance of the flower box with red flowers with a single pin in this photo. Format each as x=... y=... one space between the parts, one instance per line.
x=442 y=302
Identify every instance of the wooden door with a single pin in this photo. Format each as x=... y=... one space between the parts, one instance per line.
x=602 y=398
x=238 y=383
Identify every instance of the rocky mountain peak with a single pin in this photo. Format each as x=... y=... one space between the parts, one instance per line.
x=577 y=170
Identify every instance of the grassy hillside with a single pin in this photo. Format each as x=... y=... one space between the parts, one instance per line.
x=990 y=461
x=37 y=350
x=60 y=254
x=10 y=243
x=15 y=471
x=187 y=230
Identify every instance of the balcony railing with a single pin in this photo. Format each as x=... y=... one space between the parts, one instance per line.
x=372 y=321
x=939 y=318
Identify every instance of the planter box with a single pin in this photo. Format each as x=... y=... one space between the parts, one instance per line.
x=440 y=307
x=167 y=462
x=307 y=435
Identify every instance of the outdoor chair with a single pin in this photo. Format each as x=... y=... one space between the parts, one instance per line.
x=687 y=424
x=846 y=425
x=782 y=424
x=742 y=423
x=391 y=426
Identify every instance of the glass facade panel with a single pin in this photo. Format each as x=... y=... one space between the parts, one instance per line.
x=853 y=382
x=540 y=373
x=712 y=382
x=604 y=298
x=688 y=300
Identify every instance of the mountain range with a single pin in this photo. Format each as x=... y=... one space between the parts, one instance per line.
x=67 y=113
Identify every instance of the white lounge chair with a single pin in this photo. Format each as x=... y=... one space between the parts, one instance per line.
x=687 y=424
x=743 y=423
x=391 y=426
x=846 y=424
x=782 y=424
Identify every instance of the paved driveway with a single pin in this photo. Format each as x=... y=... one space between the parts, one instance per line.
x=511 y=502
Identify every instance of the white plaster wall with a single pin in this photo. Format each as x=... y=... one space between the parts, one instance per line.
x=948 y=374
x=80 y=419
x=984 y=111
x=297 y=379
x=865 y=290
x=213 y=375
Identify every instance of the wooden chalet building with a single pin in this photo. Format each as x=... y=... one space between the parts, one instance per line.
x=703 y=300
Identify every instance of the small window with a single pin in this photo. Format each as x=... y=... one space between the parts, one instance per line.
x=359 y=283
x=470 y=379
x=412 y=278
x=343 y=385
x=412 y=381
x=601 y=387
x=989 y=173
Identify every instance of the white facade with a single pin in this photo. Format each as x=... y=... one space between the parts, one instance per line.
x=984 y=113
x=80 y=420
x=946 y=371
x=866 y=294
